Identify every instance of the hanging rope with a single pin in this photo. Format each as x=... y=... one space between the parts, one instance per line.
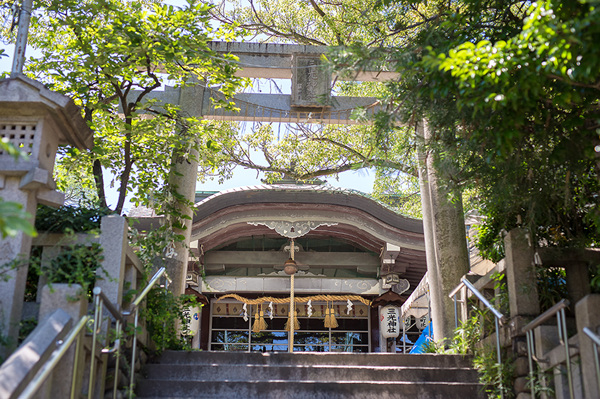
x=330 y=321
x=255 y=326
x=259 y=320
x=296 y=325
x=292 y=323
x=323 y=298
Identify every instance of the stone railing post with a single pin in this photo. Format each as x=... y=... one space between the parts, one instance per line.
x=113 y=240
x=523 y=298
x=521 y=277
x=72 y=300
x=587 y=315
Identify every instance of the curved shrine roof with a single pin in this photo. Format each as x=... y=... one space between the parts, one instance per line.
x=305 y=194
x=225 y=217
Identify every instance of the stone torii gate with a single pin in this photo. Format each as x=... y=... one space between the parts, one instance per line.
x=311 y=101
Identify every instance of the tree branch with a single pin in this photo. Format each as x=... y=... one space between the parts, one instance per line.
x=574 y=83
x=292 y=35
x=328 y=21
x=405 y=28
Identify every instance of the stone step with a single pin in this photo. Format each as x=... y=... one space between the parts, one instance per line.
x=314 y=372
x=154 y=389
x=243 y=375
x=280 y=358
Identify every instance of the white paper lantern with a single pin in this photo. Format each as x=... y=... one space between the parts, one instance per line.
x=422 y=322
x=408 y=322
x=389 y=322
x=192 y=315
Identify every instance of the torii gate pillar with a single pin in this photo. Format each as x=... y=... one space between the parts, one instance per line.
x=445 y=239
x=183 y=178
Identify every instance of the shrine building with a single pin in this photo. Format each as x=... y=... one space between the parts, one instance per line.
x=333 y=250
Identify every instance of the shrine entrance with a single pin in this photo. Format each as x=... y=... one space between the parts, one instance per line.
x=231 y=331
x=311 y=100
x=329 y=252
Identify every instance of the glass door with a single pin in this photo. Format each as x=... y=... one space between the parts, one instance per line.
x=230 y=332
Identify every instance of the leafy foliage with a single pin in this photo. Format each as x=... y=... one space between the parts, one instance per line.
x=26 y=327
x=399 y=192
x=164 y=312
x=76 y=264
x=322 y=22
x=533 y=121
x=304 y=151
x=510 y=91
x=595 y=280
x=497 y=378
x=13 y=219
x=152 y=244
x=551 y=285
x=69 y=218
x=468 y=340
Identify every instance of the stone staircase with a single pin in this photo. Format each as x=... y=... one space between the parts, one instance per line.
x=242 y=375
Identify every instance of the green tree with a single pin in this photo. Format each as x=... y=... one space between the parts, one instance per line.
x=511 y=90
x=508 y=87
x=325 y=22
x=110 y=57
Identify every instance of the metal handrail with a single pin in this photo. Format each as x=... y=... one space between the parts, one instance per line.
x=101 y=301
x=498 y=319
x=109 y=305
x=559 y=310
x=135 y=308
x=562 y=304
x=483 y=299
x=145 y=291
x=596 y=343
x=455 y=291
x=55 y=357
x=595 y=338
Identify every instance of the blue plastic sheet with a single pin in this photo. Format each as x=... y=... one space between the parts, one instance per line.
x=424 y=338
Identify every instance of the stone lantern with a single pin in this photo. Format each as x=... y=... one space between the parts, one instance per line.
x=36 y=121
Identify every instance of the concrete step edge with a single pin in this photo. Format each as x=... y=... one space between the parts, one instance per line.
x=310 y=390
x=309 y=366
x=314 y=360
x=319 y=382
x=171 y=353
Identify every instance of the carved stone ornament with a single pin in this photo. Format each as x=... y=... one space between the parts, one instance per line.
x=292 y=229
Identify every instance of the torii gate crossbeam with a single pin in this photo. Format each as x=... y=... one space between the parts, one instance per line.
x=310 y=101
